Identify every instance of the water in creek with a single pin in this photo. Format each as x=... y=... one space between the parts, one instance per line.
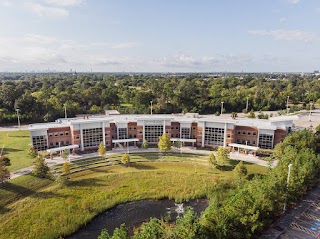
x=133 y=214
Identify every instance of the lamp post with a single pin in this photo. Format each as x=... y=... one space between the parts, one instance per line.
x=310 y=111
x=65 y=110
x=222 y=107
x=285 y=203
x=2 y=150
x=247 y=104
x=151 y=106
x=288 y=105
x=18 y=117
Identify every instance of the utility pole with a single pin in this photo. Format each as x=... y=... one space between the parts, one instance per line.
x=247 y=105
x=151 y=106
x=18 y=117
x=288 y=105
x=65 y=110
x=310 y=111
x=222 y=107
x=285 y=203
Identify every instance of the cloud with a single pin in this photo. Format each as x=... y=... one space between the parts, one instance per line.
x=124 y=45
x=42 y=10
x=283 y=20
x=287 y=35
x=293 y=1
x=65 y=3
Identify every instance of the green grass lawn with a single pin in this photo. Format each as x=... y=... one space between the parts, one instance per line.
x=38 y=208
x=16 y=148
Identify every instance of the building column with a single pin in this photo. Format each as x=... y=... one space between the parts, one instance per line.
x=164 y=126
x=258 y=134
x=143 y=131
x=225 y=136
x=203 y=132
x=47 y=140
x=81 y=138
x=104 y=134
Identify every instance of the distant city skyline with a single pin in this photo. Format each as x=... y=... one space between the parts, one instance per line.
x=160 y=36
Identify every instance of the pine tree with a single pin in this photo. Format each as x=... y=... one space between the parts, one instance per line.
x=4 y=172
x=212 y=160
x=222 y=156
x=125 y=159
x=144 y=144
x=40 y=168
x=65 y=154
x=240 y=170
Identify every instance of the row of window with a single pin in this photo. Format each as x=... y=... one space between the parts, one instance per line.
x=61 y=134
x=246 y=132
x=214 y=136
x=39 y=142
x=92 y=137
x=247 y=142
x=59 y=144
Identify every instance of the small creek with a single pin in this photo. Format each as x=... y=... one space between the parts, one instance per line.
x=133 y=214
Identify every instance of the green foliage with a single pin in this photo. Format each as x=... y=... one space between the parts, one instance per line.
x=212 y=160
x=66 y=168
x=222 y=156
x=240 y=170
x=104 y=234
x=102 y=150
x=65 y=154
x=40 y=168
x=251 y=114
x=125 y=159
x=120 y=233
x=164 y=142
x=4 y=172
x=150 y=230
x=234 y=115
x=32 y=152
x=5 y=160
x=178 y=144
x=144 y=144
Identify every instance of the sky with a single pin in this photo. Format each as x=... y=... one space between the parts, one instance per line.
x=160 y=35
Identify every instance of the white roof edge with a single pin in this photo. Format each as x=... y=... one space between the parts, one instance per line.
x=284 y=118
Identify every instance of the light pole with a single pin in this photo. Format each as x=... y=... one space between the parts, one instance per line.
x=310 y=111
x=18 y=117
x=151 y=106
x=222 y=107
x=65 y=110
x=288 y=105
x=285 y=203
x=2 y=150
x=247 y=104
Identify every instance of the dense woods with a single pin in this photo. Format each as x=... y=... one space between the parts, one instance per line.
x=41 y=97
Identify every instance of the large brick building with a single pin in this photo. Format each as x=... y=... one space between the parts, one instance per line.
x=87 y=132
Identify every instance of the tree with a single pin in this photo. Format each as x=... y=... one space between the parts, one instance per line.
x=40 y=168
x=212 y=160
x=120 y=233
x=251 y=114
x=144 y=144
x=102 y=150
x=164 y=142
x=65 y=154
x=222 y=155
x=104 y=234
x=240 y=170
x=234 y=115
x=4 y=172
x=66 y=168
x=178 y=145
x=5 y=160
x=32 y=152
x=125 y=159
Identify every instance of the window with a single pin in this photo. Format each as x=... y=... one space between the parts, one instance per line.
x=167 y=132
x=61 y=133
x=172 y=127
x=56 y=134
x=140 y=132
x=66 y=133
x=238 y=132
x=107 y=142
x=249 y=133
x=50 y=134
x=67 y=142
x=61 y=143
x=254 y=133
x=134 y=136
x=77 y=136
x=214 y=136
x=185 y=133
x=248 y=142
x=265 y=141
x=153 y=132
x=171 y=135
x=130 y=136
x=51 y=144
x=243 y=132
x=289 y=130
x=177 y=127
x=123 y=134
x=134 y=128
x=129 y=128
x=228 y=136
x=243 y=141
x=57 y=144
x=253 y=142
x=92 y=137
x=177 y=135
x=238 y=141
x=194 y=128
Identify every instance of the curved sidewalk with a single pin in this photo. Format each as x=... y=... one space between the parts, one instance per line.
x=59 y=160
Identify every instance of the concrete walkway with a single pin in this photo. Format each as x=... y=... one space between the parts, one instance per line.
x=186 y=150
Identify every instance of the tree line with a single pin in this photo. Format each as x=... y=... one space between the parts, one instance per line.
x=42 y=97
